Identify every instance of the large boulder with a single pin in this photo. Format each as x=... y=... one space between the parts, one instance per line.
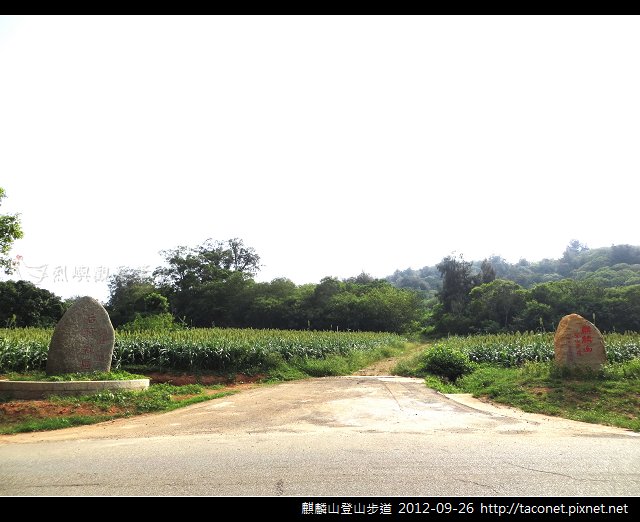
x=578 y=343
x=82 y=341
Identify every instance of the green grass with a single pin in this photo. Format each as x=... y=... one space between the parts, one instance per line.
x=331 y=365
x=610 y=397
x=52 y=423
x=118 y=375
x=108 y=405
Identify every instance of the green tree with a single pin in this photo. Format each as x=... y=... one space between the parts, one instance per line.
x=155 y=303
x=496 y=303
x=10 y=230
x=390 y=309
x=535 y=316
x=319 y=305
x=272 y=305
x=487 y=272
x=572 y=258
x=24 y=304
x=625 y=254
x=132 y=292
x=457 y=282
x=212 y=261
x=206 y=285
x=569 y=296
x=621 y=310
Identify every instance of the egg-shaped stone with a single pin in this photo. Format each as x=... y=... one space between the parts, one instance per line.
x=82 y=341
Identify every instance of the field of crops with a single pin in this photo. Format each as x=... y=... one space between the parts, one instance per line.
x=228 y=349
x=216 y=349
x=515 y=349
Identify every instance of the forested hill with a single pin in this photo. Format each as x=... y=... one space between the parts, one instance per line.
x=617 y=265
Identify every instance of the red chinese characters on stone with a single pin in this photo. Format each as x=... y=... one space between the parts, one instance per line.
x=578 y=342
x=104 y=336
x=583 y=340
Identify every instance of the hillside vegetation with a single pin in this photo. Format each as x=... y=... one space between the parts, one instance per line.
x=213 y=285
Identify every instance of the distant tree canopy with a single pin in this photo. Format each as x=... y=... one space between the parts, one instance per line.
x=494 y=296
x=210 y=262
x=205 y=284
x=132 y=292
x=213 y=285
x=505 y=306
x=24 y=304
x=618 y=265
x=457 y=282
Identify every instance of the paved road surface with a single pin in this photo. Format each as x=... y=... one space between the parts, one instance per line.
x=358 y=435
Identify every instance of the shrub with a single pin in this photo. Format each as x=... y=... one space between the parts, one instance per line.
x=141 y=323
x=447 y=362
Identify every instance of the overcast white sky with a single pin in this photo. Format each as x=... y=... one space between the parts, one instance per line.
x=331 y=145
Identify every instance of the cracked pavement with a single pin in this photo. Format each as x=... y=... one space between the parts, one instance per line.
x=356 y=435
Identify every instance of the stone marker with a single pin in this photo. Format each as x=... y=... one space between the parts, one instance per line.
x=82 y=341
x=578 y=342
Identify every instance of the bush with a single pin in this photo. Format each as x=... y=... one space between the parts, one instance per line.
x=621 y=371
x=447 y=362
x=143 y=323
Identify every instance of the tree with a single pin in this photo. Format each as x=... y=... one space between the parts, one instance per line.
x=24 y=304
x=212 y=261
x=571 y=258
x=319 y=305
x=457 y=282
x=131 y=292
x=621 y=309
x=206 y=284
x=271 y=305
x=10 y=230
x=390 y=309
x=535 y=317
x=487 y=272
x=362 y=279
x=498 y=302
x=568 y=296
x=625 y=254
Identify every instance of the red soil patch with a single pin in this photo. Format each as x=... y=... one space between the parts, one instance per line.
x=15 y=411
x=180 y=379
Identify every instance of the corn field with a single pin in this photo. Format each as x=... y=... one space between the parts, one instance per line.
x=216 y=349
x=515 y=349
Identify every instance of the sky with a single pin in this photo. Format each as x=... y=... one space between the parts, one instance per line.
x=331 y=145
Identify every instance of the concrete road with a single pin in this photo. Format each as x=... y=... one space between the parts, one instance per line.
x=339 y=436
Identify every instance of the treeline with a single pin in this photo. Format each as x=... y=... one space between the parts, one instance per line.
x=618 y=265
x=478 y=302
x=23 y=304
x=213 y=284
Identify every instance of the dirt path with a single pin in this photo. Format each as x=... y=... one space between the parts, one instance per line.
x=384 y=366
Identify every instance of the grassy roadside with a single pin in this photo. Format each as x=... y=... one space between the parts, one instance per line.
x=63 y=412
x=610 y=397
x=118 y=375
x=303 y=368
